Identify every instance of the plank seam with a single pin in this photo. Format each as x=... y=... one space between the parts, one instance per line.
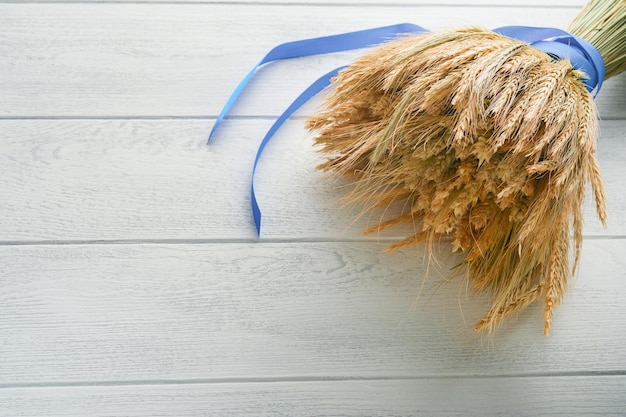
x=272 y=240
x=303 y=379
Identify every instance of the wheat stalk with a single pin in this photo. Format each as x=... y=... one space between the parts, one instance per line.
x=603 y=24
x=485 y=139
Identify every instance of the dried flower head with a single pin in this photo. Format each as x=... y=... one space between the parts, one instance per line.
x=486 y=140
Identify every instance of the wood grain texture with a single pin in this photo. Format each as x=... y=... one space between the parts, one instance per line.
x=86 y=313
x=467 y=397
x=158 y=180
x=132 y=282
x=125 y=60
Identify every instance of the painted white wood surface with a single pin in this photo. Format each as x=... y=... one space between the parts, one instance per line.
x=132 y=280
x=431 y=397
x=85 y=313
x=131 y=60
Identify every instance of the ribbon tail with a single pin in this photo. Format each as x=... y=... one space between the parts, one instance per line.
x=232 y=99
x=305 y=96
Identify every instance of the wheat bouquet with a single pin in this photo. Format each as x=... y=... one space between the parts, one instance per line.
x=485 y=137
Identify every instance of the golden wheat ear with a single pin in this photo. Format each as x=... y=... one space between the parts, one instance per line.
x=487 y=140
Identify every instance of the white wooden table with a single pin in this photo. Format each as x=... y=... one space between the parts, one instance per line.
x=132 y=282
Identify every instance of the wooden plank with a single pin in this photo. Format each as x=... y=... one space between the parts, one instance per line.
x=75 y=314
x=531 y=397
x=158 y=180
x=130 y=59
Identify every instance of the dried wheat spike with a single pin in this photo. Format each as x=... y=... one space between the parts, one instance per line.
x=486 y=140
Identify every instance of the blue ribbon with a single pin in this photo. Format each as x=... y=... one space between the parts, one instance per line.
x=312 y=90
x=561 y=44
x=554 y=42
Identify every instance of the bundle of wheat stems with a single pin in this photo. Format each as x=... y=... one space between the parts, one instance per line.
x=485 y=140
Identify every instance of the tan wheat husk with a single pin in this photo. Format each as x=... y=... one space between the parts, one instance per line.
x=485 y=139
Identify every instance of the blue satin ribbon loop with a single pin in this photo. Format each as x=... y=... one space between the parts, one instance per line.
x=554 y=42
x=578 y=60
